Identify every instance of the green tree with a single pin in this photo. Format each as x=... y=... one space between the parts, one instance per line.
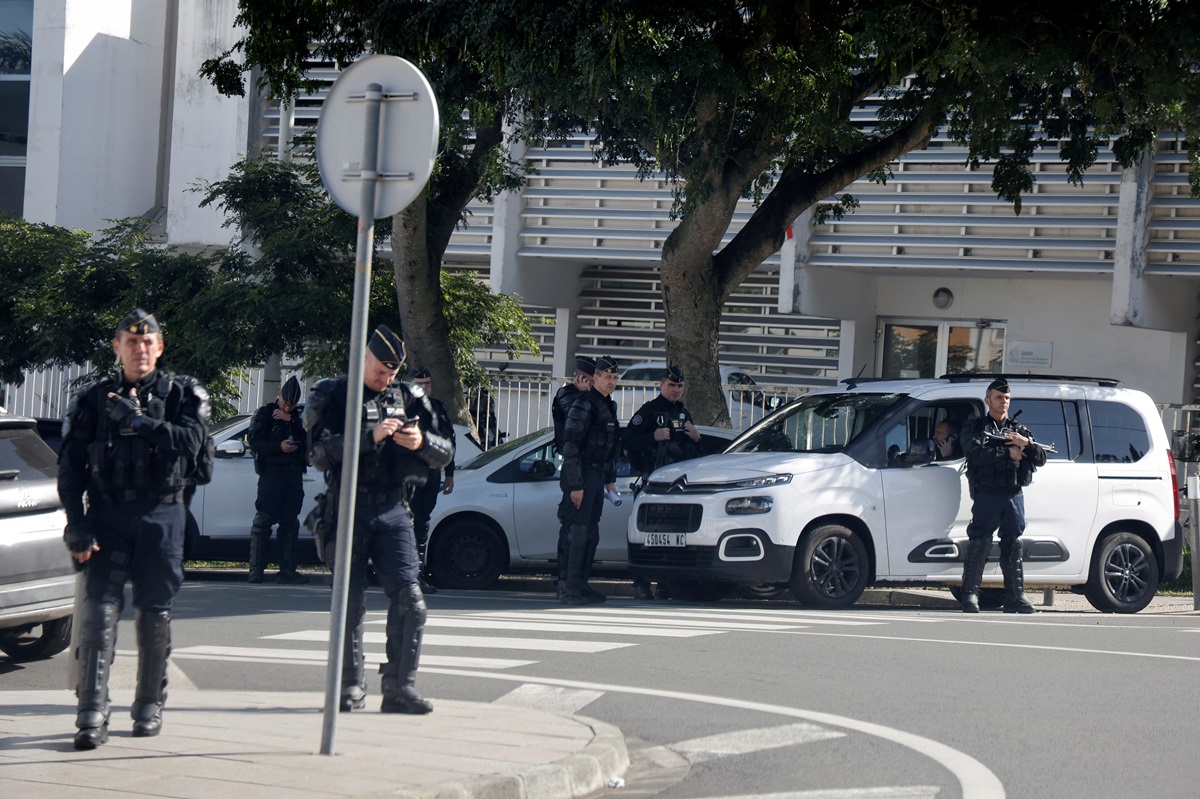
x=740 y=98
x=67 y=290
x=472 y=159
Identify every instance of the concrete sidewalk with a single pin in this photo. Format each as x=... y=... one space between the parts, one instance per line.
x=242 y=744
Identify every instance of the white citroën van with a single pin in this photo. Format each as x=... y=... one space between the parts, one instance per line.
x=837 y=491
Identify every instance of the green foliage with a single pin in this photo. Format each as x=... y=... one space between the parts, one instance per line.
x=479 y=318
x=69 y=289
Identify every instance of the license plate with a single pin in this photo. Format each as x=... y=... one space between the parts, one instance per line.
x=666 y=539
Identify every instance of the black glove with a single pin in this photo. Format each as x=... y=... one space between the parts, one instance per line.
x=123 y=411
x=79 y=537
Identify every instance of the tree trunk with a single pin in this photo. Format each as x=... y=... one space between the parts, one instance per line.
x=419 y=297
x=693 y=294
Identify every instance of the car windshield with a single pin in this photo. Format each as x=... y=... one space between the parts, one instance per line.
x=220 y=427
x=497 y=453
x=652 y=375
x=817 y=423
x=24 y=456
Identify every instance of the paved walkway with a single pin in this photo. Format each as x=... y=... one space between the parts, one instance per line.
x=228 y=744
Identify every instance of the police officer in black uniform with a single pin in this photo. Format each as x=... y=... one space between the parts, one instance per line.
x=130 y=443
x=585 y=367
x=1001 y=456
x=424 y=498
x=399 y=447
x=277 y=438
x=591 y=442
x=661 y=432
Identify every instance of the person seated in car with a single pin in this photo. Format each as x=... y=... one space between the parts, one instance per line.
x=945 y=441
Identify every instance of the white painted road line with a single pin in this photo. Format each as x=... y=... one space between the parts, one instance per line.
x=549 y=698
x=896 y=792
x=469 y=641
x=741 y=742
x=477 y=623
x=306 y=657
x=661 y=619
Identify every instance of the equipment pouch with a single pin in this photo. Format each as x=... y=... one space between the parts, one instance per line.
x=321 y=521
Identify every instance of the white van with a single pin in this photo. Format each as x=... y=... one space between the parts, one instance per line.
x=824 y=496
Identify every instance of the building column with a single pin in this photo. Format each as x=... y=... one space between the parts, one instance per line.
x=506 y=229
x=1129 y=252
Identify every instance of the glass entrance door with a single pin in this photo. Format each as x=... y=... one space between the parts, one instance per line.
x=923 y=348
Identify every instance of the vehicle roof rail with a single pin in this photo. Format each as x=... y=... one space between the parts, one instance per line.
x=851 y=382
x=1107 y=382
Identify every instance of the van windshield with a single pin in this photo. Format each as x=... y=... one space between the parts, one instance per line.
x=817 y=423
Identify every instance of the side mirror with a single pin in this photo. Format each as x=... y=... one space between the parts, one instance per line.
x=233 y=448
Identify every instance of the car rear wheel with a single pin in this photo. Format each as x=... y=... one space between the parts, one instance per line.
x=467 y=555
x=41 y=641
x=699 y=590
x=831 y=567
x=1124 y=576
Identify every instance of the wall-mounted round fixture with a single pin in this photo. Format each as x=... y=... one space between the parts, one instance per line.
x=943 y=298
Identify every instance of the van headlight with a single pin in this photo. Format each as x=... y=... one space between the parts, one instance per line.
x=765 y=481
x=745 y=506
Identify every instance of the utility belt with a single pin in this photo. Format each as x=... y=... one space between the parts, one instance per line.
x=598 y=465
x=380 y=496
x=124 y=496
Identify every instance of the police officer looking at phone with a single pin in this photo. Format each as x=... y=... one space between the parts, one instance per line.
x=661 y=432
x=591 y=442
x=1001 y=457
x=400 y=446
x=424 y=498
x=276 y=436
x=130 y=443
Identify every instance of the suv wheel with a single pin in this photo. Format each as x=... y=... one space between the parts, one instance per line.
x=831 y=567
x=1124 y=576
x=51 y=638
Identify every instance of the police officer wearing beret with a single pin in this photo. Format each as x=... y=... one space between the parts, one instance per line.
x=400 y=445
x=661 y=432
x=424 y=498
x=130 y=443
x=1001 y=457
x=277 y=438
x=585 y=367
x=591 y=442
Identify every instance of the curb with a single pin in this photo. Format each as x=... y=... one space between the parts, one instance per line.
x=575 y=776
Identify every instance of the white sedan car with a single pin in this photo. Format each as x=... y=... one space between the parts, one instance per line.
x=221 y=512
x=503 y=513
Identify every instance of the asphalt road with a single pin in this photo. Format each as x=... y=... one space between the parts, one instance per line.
x=741 y=699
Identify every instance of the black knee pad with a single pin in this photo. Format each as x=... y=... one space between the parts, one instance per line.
x=409 y=599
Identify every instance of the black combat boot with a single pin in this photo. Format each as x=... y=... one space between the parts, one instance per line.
x=576 y=581
x=260 y=534
x=97 y=646
x=641 y=588
x=1015 y=600
x=405 y=626
x=288 y=543
x=977 y=554
x=593 y=596
x=154 y=647
x=354 y=678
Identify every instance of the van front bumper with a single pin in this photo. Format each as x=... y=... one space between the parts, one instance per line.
x=742 y=555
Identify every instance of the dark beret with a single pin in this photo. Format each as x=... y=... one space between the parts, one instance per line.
x=420 y=373
x=387 y=347
x=585 y=364
x=139 y=322
x=999 y=384
x=673 y=373
x=606 y=363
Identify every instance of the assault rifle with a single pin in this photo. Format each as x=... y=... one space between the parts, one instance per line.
x=1001 y=436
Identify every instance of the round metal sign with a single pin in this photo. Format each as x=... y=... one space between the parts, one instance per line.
x=408 y=134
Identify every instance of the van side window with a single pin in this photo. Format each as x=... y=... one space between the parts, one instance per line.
x=1051 y=422
x=1118 y=433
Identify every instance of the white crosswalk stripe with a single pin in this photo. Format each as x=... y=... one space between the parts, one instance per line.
x=740 y=742
x=470 y=641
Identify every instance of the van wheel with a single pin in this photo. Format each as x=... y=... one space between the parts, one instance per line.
x=1124 y=575
x=699 y=590
x=467 y=555
x=43 y=640
x=831 y=567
